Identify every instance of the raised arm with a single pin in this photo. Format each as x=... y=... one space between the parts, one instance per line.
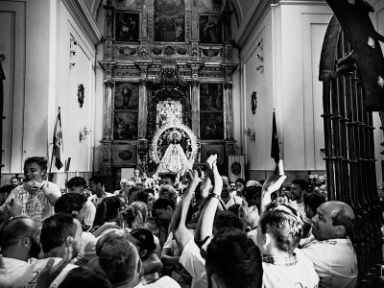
x=178 y=225
x=272 y=184
x=205 y=225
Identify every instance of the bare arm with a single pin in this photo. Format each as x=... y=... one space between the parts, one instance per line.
x=181 y=232
x=272 y=184
x=205 y=225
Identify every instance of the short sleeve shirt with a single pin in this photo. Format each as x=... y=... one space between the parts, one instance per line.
x=28 y=277
x=194 y=263
x=300 y=274
x=34 y=204
x=335 y=262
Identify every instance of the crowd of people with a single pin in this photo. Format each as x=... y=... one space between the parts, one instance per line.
x=212 y=233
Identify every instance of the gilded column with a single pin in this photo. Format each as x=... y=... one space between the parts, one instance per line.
x=228 y=114
x=143 y=106
x=195 y=96
x=195 y=103
x=107 y=115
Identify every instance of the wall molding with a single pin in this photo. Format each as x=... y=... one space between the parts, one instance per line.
x=80 y=13
x=252 y=20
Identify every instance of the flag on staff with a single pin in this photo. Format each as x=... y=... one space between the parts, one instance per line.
x=57 y=142
x=275 y=150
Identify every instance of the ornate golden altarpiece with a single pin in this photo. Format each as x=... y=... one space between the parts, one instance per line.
x=166 y=52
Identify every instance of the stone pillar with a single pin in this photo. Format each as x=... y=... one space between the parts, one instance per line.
x=228 y=114
x=143 y=110
x=195 y=103
x=107 y=115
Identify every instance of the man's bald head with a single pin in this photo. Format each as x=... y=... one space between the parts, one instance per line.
x=334 y=219
x=13 y=231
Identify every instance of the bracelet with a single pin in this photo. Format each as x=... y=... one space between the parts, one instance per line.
x=213 y=195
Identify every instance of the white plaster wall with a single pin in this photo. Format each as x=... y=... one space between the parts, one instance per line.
x=259 y=81
x=377 y=19
x=67 y=78
x=302 y=33
x=12 y=45
x=42 y=81
x=99 y=95
x=292 y=38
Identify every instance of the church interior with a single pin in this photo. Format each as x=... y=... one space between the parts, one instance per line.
x=112 y=87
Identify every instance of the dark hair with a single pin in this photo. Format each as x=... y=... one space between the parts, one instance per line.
x=55 y=230
x=13 y=229
x=235 y=260
x=240 y=180
x=70 y=202
x=81 y=277
x=226 y=221
x=284 y=224
x=146 y=240
x=163 y=203
x=97 y=180
x=76 y=182
x=141 y=196
x=304 y=185
x=168 y=175
x=41 y=161
x=234 y=209
x=168 y=192
x=252 y=195
x=107 y=237
x=117 y=259
x=132 y=214
x=108 y=210
x=313 y=200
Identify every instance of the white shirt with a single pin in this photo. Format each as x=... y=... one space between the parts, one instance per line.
x=302 y=274
x=163 y=282
x=97 y=200
x=194 y=263
x=232 y=201
x=35 y=204
x=335 y=261
x=12 y=270
x=90 y=212
x=28 y=276
x=88 y=246
x=300 y=207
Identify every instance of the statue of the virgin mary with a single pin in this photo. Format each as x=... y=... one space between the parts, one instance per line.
x=174 y=159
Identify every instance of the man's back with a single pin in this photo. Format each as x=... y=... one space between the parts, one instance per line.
x=297 y=271
x=335 y=262
x=28 y=275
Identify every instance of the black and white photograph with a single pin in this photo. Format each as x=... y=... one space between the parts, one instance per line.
x=192 y=144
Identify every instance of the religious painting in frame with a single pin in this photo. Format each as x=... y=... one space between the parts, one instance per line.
x=211 y=125
x=211 y=97
x=126 y=96
x=168 y=112
x=125 y=126
x=169 y=20
x=210 y=28
x=127 y=27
